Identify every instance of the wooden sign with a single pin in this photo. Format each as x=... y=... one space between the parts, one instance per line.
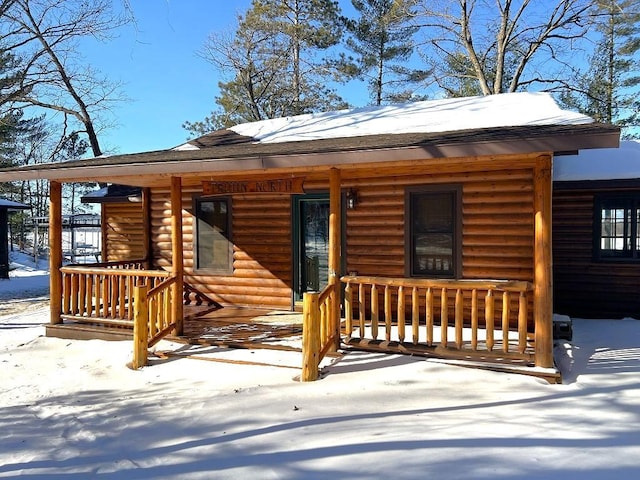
x=279 y=185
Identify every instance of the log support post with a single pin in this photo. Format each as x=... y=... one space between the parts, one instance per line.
x=310 y=337
x=55 y=251
x=335 y=255
x=543 y=268
x=177 y=255
x=140 y=326
x=146 y=227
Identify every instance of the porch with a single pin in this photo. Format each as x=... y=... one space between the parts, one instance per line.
x=477 y=323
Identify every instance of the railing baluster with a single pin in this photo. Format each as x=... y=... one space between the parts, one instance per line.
x=66 y=292
x=323 y=323
x=415 y=315
x=429 y=315
x=387 y=312
x=82 y=304
x=361 y=304
x=374 y=311
x=74 y=294
x=90 y=298
x=474 y=319
x=348 y=309
x=114 y=296
x=104 y=280
x=401 y=308
x=506 y=311
x=122 y=304
x=488 y=318
x=459 y=318
x=444 y=318
x=522 y=323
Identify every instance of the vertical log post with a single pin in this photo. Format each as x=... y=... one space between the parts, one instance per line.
x=177 y=254
x=146 y=227
x=55 y=251
x=310 y=337
x=140 y=326
x=334 y=254
x=543 y=277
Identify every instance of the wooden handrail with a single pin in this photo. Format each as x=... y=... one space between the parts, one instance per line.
x=116 y=272
x=118 y=263
x=164 y=284
x=501 y=285
x=326 y=291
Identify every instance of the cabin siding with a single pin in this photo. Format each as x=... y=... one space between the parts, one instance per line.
x=123 y=234
x=584 y=287
x=261 y=236
x=497 y=230
x=497 y=224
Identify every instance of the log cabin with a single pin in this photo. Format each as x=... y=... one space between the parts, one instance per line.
x=421 y=228
x=596 y=242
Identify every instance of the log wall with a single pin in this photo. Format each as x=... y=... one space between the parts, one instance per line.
x=123 y=232
x=261 y=234
x=583 y=287
x=497 y=224
x=497 y=230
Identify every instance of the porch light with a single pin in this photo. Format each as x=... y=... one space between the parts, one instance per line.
x=352 y=198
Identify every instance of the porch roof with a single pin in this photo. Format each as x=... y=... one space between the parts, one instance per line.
x=315 y=143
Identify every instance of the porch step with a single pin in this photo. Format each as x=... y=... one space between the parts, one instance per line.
x=80 y=331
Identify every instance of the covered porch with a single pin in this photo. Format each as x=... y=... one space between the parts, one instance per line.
x=492 y=323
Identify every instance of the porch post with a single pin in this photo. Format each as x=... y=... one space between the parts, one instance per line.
x=334 y=253
x=55 y=251
x=543 y=270
x=176 y=253
x=146 y=226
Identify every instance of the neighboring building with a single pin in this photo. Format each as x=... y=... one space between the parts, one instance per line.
x=6 y=206
x=596 y=234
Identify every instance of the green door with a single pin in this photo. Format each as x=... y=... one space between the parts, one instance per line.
x=311 y=243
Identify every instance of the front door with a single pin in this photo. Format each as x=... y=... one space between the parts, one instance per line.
x=311 y=243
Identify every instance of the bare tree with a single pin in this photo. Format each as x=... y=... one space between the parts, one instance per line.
x=44 y=34
x=508 y=45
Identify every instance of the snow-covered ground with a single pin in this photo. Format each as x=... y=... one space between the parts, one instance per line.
x=72 y=409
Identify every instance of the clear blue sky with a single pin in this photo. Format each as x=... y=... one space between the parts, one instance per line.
x=165 y=80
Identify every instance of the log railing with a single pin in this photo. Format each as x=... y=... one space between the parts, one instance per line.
x=152 y=319
x=104 y=294
x=318 y=333
x=453 y=318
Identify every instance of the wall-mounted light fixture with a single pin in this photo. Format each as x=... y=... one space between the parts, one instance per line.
x=352 y=198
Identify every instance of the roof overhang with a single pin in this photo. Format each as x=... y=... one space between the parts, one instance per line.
x=151 y=168
x=11 y=206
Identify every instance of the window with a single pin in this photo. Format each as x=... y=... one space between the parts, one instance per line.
x=213 y=248
x=434 y=226
x=616 y=234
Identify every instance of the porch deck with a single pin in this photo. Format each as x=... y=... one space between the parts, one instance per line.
x=227 y=326
x=249 y=328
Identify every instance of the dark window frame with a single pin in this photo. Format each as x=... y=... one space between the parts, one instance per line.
x=196 y=236
x=617 y=201
x=456 y=191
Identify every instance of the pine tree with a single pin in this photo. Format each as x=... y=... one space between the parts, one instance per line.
x=274 y=62
x=382 y=40
x=609 y=90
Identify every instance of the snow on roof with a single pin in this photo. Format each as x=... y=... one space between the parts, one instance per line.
x=600 y=164
x=452 y=114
